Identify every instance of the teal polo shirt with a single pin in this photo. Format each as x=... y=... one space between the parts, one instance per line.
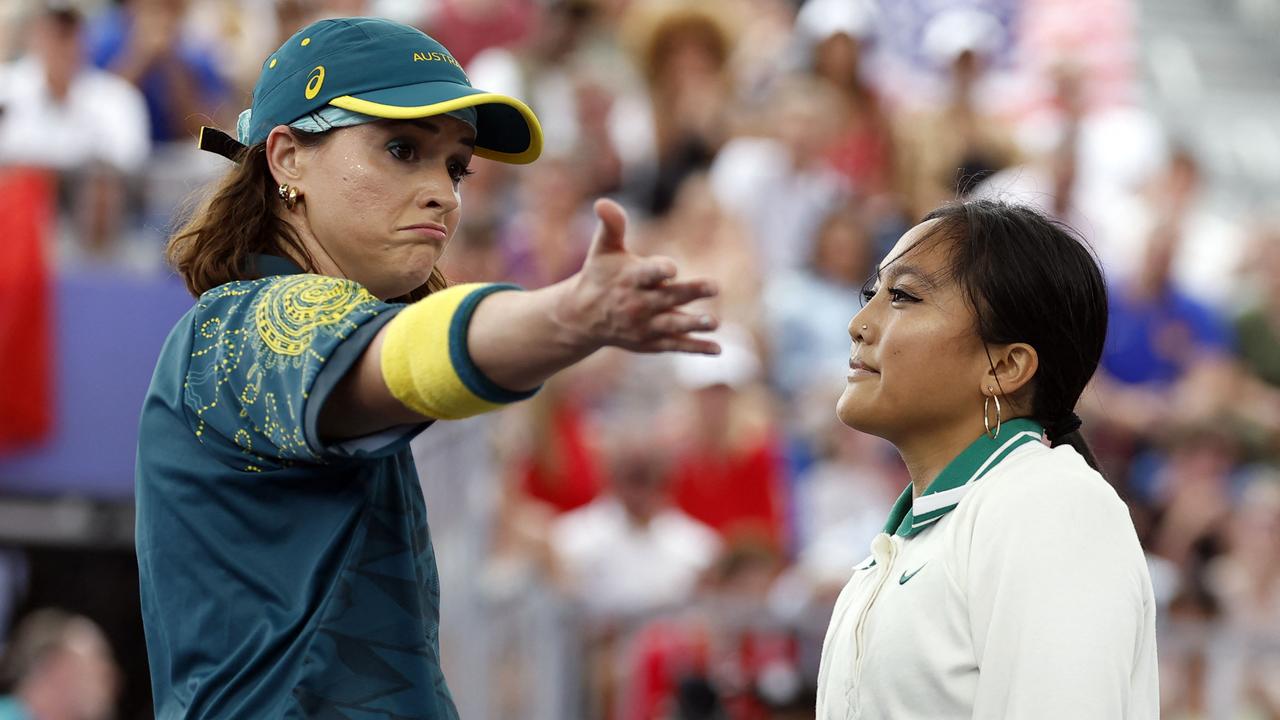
x=281 y=576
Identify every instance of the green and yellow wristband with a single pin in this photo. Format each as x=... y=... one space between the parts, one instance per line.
x=426 y=363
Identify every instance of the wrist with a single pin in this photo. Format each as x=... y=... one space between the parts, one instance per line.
x=569 y=330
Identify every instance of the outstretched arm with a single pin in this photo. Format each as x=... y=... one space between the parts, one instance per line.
x=519 y=339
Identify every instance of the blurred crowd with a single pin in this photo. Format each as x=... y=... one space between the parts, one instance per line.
x=688 y=521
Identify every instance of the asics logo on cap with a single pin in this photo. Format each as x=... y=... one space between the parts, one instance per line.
x=314 y=82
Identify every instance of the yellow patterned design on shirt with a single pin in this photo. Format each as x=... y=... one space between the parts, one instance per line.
x=291 y=309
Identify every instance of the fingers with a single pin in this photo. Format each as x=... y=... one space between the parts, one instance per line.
x=681 y=344
x=611 y=232
x=653 y=272
x=678 y=323
x=673 y=295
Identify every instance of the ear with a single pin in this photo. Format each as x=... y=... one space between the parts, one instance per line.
x=1012 y=367
x=284 y=156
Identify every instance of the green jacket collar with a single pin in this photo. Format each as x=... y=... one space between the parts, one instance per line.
x=909 y=518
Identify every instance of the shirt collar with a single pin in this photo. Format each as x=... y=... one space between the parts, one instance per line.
x=909 y=518
x=266 y=265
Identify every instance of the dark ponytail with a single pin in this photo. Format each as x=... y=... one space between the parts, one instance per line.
x=1066 y=431
x=1031 y=279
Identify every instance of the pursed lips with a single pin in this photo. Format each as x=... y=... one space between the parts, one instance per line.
x=429 y=231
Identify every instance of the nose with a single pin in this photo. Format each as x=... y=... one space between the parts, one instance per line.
x=438 y=191
x=859 y=327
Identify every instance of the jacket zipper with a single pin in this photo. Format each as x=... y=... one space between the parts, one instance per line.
x=885 y=560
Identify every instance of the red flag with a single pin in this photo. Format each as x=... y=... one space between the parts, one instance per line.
x=26 y=355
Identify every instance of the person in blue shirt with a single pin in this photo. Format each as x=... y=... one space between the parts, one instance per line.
x=142 y=41
x=1158 y=333
x=285 y=559
x=1166 y=355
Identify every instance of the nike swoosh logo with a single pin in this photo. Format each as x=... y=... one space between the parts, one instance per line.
x=905 y=577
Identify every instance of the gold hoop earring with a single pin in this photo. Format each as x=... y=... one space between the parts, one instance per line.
x=288 y=194
x=986 y=417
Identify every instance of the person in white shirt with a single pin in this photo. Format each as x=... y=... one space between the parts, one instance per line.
x=630 y=552
x=1008 y=581
x=85 y=124
x=61 y=114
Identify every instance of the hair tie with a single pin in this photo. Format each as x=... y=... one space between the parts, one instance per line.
x=1065 y=425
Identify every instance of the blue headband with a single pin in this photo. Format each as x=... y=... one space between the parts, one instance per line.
x=329 y=117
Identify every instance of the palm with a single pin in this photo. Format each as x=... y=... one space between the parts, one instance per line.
x=634 y=302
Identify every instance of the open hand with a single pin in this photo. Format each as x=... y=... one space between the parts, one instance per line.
x=632 y=302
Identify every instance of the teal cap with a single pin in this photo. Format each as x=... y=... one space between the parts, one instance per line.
x=383 y=69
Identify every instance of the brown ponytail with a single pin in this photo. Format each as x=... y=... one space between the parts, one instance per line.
x=238 y=219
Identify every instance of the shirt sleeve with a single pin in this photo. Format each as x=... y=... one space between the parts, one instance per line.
x=125 y=133
x=1059 y=604
x=265 y=356
x=1213 y=334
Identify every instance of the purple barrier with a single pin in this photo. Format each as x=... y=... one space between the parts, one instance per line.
x=109 y=331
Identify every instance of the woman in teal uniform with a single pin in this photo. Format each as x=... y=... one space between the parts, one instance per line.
x=286 y=565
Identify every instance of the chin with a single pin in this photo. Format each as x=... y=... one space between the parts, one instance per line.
x=853 y=412
x=846 y=409
x=410 y=279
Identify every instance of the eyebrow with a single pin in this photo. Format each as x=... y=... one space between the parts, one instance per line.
x=434 y=129
x=895 y=271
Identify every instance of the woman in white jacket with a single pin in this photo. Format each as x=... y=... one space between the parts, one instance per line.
x=1008 y=581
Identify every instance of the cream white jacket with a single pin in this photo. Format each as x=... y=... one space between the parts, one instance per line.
x=1014 y=587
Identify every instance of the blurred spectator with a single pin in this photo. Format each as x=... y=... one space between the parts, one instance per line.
x=1158 y=334
x=1166 y=356
x=575 y=79
x=1208 y=249
x=1257 y=330
x=842 y=501
x=725 y=657
x=630 y=552
x=837 y=33
x=1246 y=661
x=560 y=466
x=546 y=239
x=1192 y=513
x=88 y=125
x=683 y=49
x=241 y=33
x=780 y=187
x=144 y=41
x=1191 y=494
x=1258 y=327
x=1082 y=154
x=727 y=470
x=59 y=114
x=765 y=37
x=943 y=154
x=808 y=309
x=10 y=20
x=1050 y=179
x=467 y=27
x=708 y=241
x=594 y=105
x=58 y=667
